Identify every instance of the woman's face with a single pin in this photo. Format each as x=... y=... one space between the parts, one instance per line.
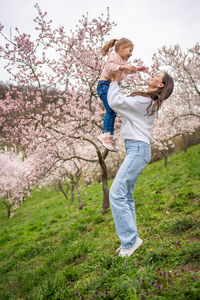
x=156 y=81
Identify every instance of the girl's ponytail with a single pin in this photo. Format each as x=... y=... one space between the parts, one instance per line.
x=107 y=46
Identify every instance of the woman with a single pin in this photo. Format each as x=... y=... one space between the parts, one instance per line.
x=138 y=111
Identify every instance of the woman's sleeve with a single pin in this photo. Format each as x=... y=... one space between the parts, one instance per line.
x=121 y=104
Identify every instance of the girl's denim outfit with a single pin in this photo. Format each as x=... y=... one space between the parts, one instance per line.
x=109 y=119
x=138 y=154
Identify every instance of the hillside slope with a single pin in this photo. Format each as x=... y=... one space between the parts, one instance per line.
x=50 y=250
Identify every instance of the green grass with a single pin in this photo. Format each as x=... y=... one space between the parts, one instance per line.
x=51 y=250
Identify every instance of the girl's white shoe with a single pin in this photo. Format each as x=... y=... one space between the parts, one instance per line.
x=129 y=251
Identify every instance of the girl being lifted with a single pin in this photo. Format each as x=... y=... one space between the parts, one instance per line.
x=117 y=61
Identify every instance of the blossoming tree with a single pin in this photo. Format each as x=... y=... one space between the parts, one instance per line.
x=14 y=186
x=33 y=115
x=53 y=106
x=180 y=114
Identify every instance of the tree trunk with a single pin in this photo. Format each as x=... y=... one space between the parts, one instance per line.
x=105 y=190
x=72 y=191
x=184 y=144
x=78 y=193
x=165 y=156
x=8 y=208
x=61 y=189
x=104 y=180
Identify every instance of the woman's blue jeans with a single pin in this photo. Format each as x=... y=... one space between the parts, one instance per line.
x=109 y=119
x=138 y=155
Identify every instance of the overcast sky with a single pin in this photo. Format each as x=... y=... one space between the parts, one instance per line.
x=150 y=24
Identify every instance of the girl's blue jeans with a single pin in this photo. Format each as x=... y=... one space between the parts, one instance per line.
x=109 y=119
x=138 y=155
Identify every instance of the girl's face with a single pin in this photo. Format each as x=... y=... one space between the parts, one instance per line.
x=156 y=81
x=125 y=52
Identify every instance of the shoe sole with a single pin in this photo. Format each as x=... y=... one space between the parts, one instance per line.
x=105 y=145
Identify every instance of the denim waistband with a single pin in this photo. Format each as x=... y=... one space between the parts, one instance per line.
x=130 y=141
x=104 y=81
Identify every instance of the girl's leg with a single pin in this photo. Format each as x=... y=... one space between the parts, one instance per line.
x=106 y=138
x=122 y=205
x=109 y=119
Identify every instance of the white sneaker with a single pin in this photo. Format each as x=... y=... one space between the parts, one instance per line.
x=129 y=251
x=118 y=249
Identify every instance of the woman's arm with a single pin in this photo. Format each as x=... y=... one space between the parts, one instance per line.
x=125 y=106
x=121 y=104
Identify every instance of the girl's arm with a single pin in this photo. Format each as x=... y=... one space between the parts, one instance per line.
x=114 y=65
x=128 y=69
x=131 y=69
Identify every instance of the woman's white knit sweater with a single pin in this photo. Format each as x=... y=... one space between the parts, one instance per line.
x=136 y=125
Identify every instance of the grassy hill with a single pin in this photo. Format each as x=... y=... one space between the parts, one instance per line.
x=50 y=250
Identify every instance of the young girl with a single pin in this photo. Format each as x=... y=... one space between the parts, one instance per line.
x=117 y=61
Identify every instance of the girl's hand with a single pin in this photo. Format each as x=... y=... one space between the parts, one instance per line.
x=143 y=69
x=132 y=69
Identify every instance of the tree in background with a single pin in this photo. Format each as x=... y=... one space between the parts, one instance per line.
x=53 y=114
x=185 y=69
x=15 y=182
x=69 y=174
x=180 y=114
x=33 y=116
x=72 y=115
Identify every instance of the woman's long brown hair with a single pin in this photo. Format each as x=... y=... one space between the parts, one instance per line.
x=158 y=96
